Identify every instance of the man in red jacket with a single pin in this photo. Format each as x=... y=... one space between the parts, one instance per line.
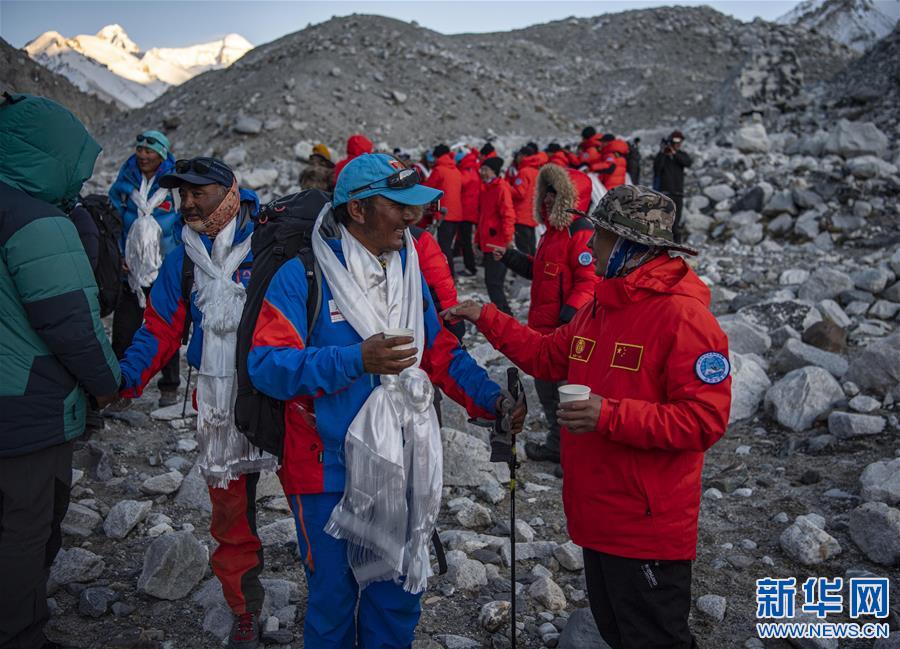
x=612 y=170
x=496 y=228
x=357 y=144
x=530 y=162
x=471 y=188
x=561 y=273
x=656 y=363
x=589 y=157
x=446 y=178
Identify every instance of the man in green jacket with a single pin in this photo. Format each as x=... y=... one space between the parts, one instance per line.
x=52 y=345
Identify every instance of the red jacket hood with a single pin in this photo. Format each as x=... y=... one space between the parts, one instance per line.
x=537 y=160
x=662 y=275
x=470 y=160
x=573 y=191
x=359 y=144
x=589 y=142
x=445 y=160
x=616 y=146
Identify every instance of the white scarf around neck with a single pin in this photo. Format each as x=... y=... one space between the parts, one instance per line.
x=143 y=245
x=224 y=452
x=393 y=449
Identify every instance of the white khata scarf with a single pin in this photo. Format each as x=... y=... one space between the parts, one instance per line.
x=393 y=446
x=224 y=452
x=143 y=252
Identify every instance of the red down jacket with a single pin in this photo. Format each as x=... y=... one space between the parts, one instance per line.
x=562 y=269
x=446 y=177
x=589 y=152
x=356 y=145
x=523 y=186
x=650 y=347
x=612 y=170
x=496 y=216
x=471 y=185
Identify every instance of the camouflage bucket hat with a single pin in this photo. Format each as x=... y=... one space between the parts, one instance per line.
x=639 y=214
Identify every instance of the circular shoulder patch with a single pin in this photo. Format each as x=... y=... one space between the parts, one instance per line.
x=585 y=259
x=712 y=367
x=518 y=181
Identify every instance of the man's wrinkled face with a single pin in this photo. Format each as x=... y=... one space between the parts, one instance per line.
x=381 y=224
x=199 y=201
x=148 y=160
x=601 y=244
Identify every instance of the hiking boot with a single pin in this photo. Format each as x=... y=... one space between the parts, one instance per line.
x=244 y=632
x=468 y=273
x=168 y=398
x=541 y=453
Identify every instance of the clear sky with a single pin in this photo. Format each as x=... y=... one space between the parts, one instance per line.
x=168 y=23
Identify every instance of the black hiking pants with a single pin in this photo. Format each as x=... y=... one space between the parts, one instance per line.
x=127 y=319
x=640 y=603
x=34 y=497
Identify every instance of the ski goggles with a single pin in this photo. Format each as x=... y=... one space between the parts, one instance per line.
x=403 y=179
x=145 y=139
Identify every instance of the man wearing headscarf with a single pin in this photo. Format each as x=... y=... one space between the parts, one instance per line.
x=216 y=251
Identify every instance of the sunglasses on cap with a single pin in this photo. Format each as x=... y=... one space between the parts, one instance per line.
x=201 y=166
x=141 y=139
x=403 y=179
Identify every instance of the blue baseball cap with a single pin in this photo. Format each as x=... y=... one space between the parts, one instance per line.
x=378 y=174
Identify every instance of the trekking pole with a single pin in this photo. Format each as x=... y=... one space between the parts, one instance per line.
x=512 y=381
x=186 y=391
x=503 y=449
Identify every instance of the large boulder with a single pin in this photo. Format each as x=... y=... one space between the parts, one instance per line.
x=869 y=166
x=744 y=336
x=124 y=515
x=173 y=564
x=825 y=283
x=880 y=481
x=780 y=203
x=875 y=528
x=849 y=139
x=796 y=354
x=467 y=461
x=877 y=366
x=849 y=424
x=749 y=384
x=581 y=632
x=752 y=139
x=76 y=565
x=807 y=542
x=803 y=396
x=718 y=193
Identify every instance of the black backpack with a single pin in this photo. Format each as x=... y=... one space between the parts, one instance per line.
x=283 y=231
x=108 y=272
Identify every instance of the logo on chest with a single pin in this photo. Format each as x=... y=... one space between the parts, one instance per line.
x=581 y=349
x=627 y=357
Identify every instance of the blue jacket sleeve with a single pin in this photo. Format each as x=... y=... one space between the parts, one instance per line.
x=280 y=363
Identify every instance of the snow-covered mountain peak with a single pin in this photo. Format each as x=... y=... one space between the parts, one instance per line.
x=110 y=65
x=116 y=35
x=856 y=23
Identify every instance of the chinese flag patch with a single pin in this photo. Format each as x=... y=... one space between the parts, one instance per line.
x=627 y=357
x=581 y=349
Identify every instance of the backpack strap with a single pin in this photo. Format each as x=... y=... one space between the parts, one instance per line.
x=187 y=285
x=314 y=284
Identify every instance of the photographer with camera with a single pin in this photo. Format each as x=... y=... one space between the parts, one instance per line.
x=668 y=174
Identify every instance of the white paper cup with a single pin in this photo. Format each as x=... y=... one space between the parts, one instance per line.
x=400 y=332
x=573 y=392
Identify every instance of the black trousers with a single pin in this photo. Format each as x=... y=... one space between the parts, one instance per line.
x=526 y=240
x=640 y=603
x=34 y=497
x=127 y=319
x=677 y=226
x=494 y=276
x=548 y=395
x=447 y=232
